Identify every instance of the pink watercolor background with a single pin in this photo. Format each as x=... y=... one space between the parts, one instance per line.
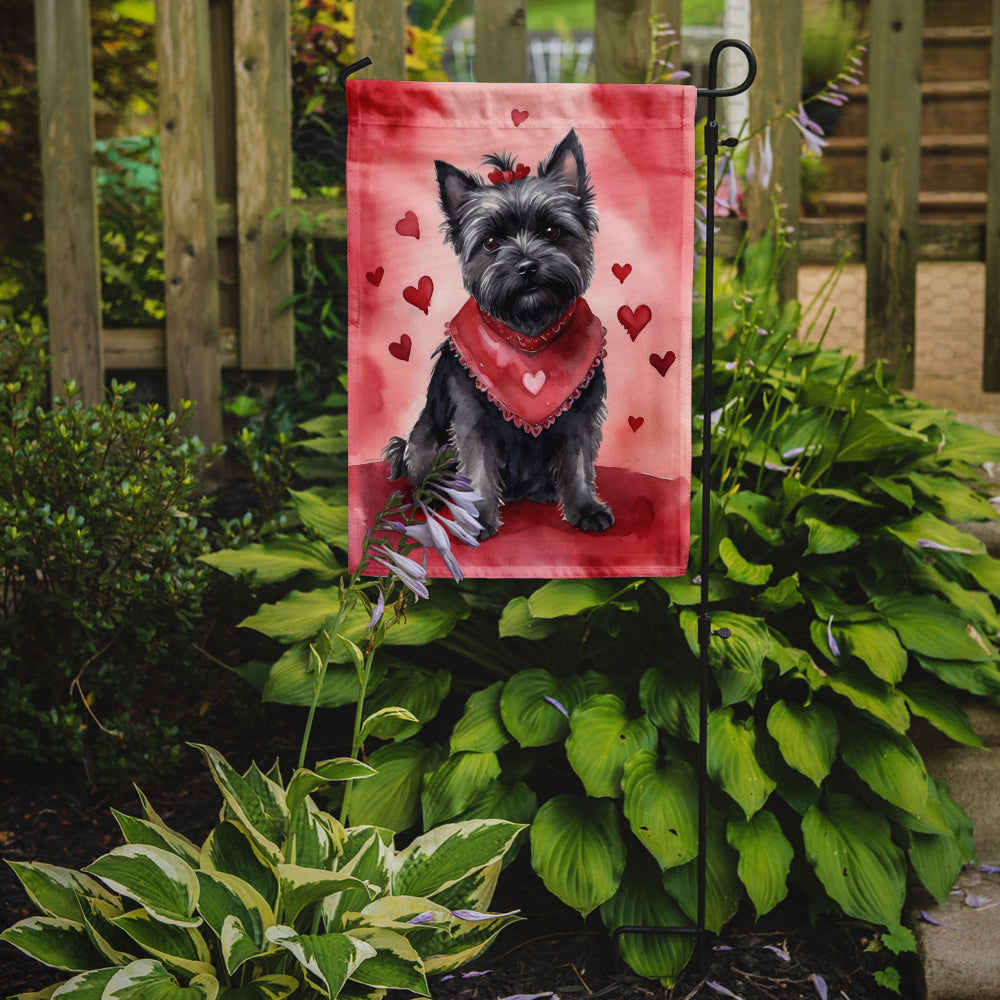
x=639 y=146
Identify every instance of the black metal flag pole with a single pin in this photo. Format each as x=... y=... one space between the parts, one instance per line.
x=705 y=631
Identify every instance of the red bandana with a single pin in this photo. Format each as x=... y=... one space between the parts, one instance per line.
x=531 y=380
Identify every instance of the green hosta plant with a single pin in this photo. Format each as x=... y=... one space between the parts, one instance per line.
x=279 y=900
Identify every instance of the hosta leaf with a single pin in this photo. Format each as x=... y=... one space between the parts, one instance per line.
x=230 y=849
x=732 y=760
x=87 y=986
x=441 y=857
x=661 y=799
x=559 y=598
x=758 y=511
x=481 y=728
x=54 y=941
x=866 y=692
x=807 y=736
x=723 y=889
x=941 y=709
x=466 y=941
x=976 y=678
x=292 y=681
x=828 y=539
x=937 y=860
x=330 y=959
x=928 y=528
x=301 y=887
x=180 y=948
x=141 y=831
x=279 y=558
x=870 y=435
x=98 y=916
x=159 y=881
x=986 y=571
x=516 y=803
x=395 y=964
x=602 y=738
x=56 y=891
x=578 y=851
x=304 y=782
x=641 y=901
x=888 y=763
x=850 y=848
x=783 y=595
x=527 y=711
x=765 y=858
x=517 y=620
x=147 y=979
x=391 y=798
x=387 y=723
x=367 y=853
x=225 y=897
x=417 y=690
x=738 y=661
x=957 y=501
x=671 y=700
x=456 y=784
x=931 y=628
x=876 y=646
x=274 y=987
x=739 y=569
x=327 y=520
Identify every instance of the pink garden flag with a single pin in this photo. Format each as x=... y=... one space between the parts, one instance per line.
x=519 y=266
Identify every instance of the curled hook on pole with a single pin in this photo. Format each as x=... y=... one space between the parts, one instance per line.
x=354 y=67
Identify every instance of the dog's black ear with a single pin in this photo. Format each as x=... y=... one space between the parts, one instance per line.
x=453 y=186
x=566 y=162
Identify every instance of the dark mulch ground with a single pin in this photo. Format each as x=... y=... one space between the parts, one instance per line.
x=551 y=951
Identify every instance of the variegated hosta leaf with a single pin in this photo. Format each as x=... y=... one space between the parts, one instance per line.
x=807 y=736
x=54 y=941
x=456 y=784
x=315 y=838
x=230 y=849
x=481 y=727
x=86 y=986
x=56 y=891
x=225 y=897
x=329 y=959
x=468 y=939
x=116 y=946
x=765 y=858
x=850 y=847
x=661 y=800
x=158 y=880
x=602 y=737
x=476 y=890
x=395 y=964
x=177 y=947
x=256 y=801
x=141 y=831
x=723 y=889
x=642 y=902
x=578 y=851
x=300 y=887
x=535 y=706
x=274 y=987
x=441 y=857
x=367 y=853
x=147 y=979
x=304 y=782
x=732 y=760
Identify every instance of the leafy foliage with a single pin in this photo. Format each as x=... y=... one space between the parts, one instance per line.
x=280 y=899
x=99 y=540
x=853 y=601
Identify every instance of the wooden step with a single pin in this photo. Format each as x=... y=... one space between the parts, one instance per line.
x=956 y=53
x=944 y=12
x=957 y=206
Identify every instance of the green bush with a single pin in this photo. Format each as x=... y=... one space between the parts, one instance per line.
x=99 y=541
x=854 y=604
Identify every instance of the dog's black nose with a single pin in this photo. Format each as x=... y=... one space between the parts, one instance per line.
x=526 y=267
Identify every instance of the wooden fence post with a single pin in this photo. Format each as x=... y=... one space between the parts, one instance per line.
x=380 y=34
x=776 y=35
x=621 y=40
x=262 y=61
x=501 y=41
x=892 y=214
x=991 y=332
x=72 y=255
x=190 y=251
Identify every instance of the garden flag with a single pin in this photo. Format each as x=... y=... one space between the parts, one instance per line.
x=519 y=265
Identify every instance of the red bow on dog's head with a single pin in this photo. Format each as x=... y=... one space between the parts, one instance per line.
x=499 y=176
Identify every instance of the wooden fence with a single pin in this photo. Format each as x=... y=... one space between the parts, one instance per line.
x=226 y=160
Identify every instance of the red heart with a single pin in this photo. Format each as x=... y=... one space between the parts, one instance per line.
x=634 y=321
x=375 y=277
x=500 y=176
x=518 y=116
x=621 y=271
x=662 y=364
x=635 y=423
x=408 y=226
x=401 y=350
x=521 y=171
x=421 y=295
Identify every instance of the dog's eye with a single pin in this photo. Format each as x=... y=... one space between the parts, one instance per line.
x=552 y=233
x=491 y=244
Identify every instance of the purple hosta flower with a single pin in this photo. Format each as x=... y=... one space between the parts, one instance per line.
x=760 y=165
x=927 y=918
x=729 y=201
x=990 y=869
x=719 y=988
x=927 y=543
x=820 y=984
x=834 y=648
x=410 y=573
x=456 y=493
x=531 y=996
x=437 y=535
x=558 y=705
x=780 y=952
x=812 y=134
x=475 y=915
x=465 y=975
x=427 y=917
x=377 y=611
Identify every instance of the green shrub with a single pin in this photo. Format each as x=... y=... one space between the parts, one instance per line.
x=99 y=540
x=279 y=900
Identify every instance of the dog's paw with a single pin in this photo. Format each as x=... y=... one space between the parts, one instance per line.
x=592 y=516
